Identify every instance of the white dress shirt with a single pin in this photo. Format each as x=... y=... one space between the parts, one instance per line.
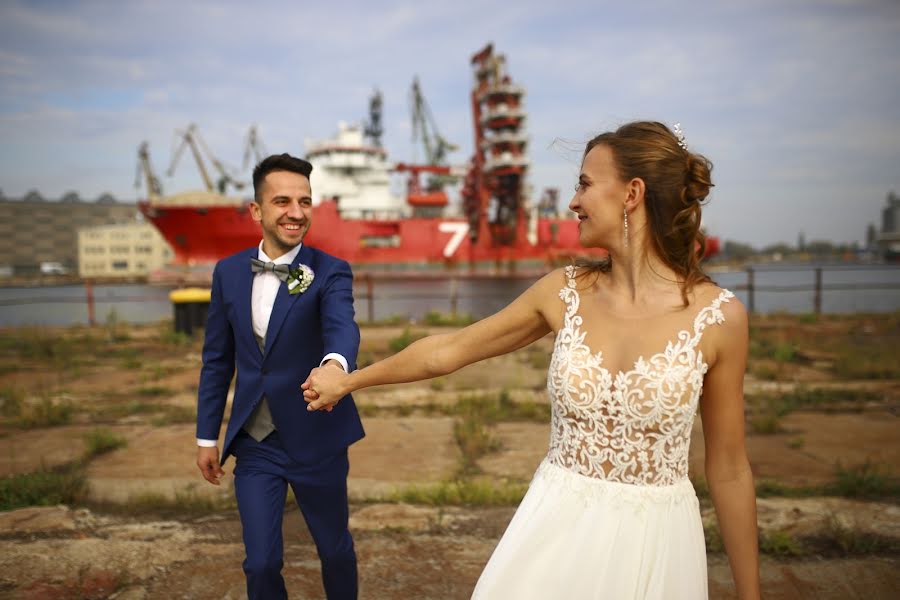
x=262 y=300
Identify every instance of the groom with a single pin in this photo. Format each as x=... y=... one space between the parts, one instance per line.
x=275 y=313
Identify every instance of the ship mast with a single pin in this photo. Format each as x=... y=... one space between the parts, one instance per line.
x=494 y=186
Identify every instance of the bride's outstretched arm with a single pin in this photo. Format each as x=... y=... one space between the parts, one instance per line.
x=517 y=325
x=727 y=467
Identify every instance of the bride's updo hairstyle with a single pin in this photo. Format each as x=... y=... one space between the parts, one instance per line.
x=676 y=182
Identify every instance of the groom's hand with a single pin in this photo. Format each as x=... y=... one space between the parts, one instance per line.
x=320 y=375
x=208 y=461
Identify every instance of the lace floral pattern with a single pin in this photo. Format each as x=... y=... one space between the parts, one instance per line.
x=635 y=427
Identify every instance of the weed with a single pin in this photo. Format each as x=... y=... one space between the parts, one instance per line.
x=101 y=441
x=11 y=401
x=867 y=480
x=405 y=339
x=439 y=319
x=713 y=536
x=47 y=413
x=796 y=443
x=852 y=541
x=462 y=492
x=785 y=352
x=780 y=544
x=768 y=423
x=175 y=338
x=47 y=487
x=154 y=390
x=173 y=415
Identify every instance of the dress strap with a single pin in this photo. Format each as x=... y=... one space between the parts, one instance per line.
x=711 y=314
x=569 y=294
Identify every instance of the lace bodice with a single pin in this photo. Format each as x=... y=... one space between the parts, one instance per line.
x=634 y=428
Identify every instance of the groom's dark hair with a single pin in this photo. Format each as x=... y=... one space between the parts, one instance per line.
x=278 y=162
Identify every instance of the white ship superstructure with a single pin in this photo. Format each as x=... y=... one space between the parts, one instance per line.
x=354 y=173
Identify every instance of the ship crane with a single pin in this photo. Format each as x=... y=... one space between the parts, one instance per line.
x=430 y=200
x=253 y=146
x=436 y=147
x=190 y=138
x=154 y=188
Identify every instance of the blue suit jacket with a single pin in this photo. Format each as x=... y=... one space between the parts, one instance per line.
x=303 y=328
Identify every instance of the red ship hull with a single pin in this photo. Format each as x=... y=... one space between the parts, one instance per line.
x=202 y=235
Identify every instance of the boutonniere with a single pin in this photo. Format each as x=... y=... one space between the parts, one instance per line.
x=300 y=279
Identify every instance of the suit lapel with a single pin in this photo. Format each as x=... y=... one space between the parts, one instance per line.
x=284 y=301
x=244 y=296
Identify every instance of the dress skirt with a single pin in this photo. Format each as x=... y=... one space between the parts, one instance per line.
x=578 y=538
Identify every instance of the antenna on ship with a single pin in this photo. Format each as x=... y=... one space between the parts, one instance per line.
x=373 y=128
x=191 y=138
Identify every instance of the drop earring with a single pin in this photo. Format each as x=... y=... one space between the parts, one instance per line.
x=625 y=216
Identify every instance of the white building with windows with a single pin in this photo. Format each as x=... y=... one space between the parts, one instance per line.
x=126 y=250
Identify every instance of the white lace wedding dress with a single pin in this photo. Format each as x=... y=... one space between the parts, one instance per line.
x=610 y=513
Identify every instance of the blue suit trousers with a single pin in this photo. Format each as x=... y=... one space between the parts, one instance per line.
x=262 y=472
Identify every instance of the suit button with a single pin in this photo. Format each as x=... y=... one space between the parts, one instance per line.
x=265 y=371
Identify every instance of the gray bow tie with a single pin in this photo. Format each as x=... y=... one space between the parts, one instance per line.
x=281 y=271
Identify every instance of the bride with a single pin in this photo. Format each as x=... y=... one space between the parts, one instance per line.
x=643 y=339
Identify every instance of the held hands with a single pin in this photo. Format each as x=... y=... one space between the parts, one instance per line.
x=323 y=388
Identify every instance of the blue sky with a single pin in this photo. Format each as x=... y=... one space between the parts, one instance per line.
x=796 y=102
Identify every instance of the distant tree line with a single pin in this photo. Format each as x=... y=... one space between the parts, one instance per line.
x=732 y=250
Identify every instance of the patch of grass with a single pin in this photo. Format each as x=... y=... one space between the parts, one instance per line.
x=132 y=364
x=868 y=363
x=186 y=501
x=785 y=352
x=866 y=480
x=780 y=544
x=766 y=488
x=851 y=541
x=767 y=423
x=437 y=384
x=46 y=413
x=170 y=337
x=154 y=390
x=539 y=359
x=439 y=319
x=494 y=409
x=466 y=492
x=796 y=443
x=47 y=487
x=771 y=406
x=701 y=487
x=11 y=401
x=173 y=415
x=405 y=339
x=474 y=440
x=713 y=537
x=101 y=441
x=764 y=371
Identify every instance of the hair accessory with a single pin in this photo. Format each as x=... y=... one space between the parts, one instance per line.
x=679 y=135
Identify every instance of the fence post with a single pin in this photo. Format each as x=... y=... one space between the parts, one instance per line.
x=89 y=292
x=370 y=297
x=817 y=295
x=454 y=296
x=751 y=305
